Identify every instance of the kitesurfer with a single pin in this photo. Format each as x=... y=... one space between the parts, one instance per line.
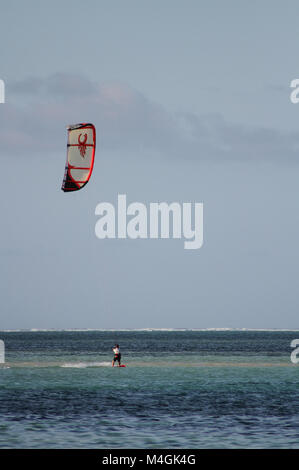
x=117 y=355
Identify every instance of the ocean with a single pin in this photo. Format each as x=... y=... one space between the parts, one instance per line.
x=191 y=389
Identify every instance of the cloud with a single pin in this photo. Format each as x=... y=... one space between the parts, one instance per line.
x=37 y=111
x=27 y=86
x=57 y=84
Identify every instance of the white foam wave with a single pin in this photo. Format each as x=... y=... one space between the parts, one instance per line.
x=83 y=365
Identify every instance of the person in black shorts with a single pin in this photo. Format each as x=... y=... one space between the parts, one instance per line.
x=117 y=355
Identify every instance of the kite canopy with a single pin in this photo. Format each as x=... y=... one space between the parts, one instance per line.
x=80 y=156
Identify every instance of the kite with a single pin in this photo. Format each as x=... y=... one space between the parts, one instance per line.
x=80 y=156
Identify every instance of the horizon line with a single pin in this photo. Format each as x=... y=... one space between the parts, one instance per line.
x=33 y=330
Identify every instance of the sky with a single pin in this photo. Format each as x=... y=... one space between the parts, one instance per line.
x=191 y=102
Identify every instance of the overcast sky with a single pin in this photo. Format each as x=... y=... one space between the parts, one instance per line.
x=191 y=102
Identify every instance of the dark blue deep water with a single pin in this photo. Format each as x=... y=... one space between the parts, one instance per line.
x=180 y=389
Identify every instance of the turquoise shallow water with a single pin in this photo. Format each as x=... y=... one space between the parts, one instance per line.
x=180 y=389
